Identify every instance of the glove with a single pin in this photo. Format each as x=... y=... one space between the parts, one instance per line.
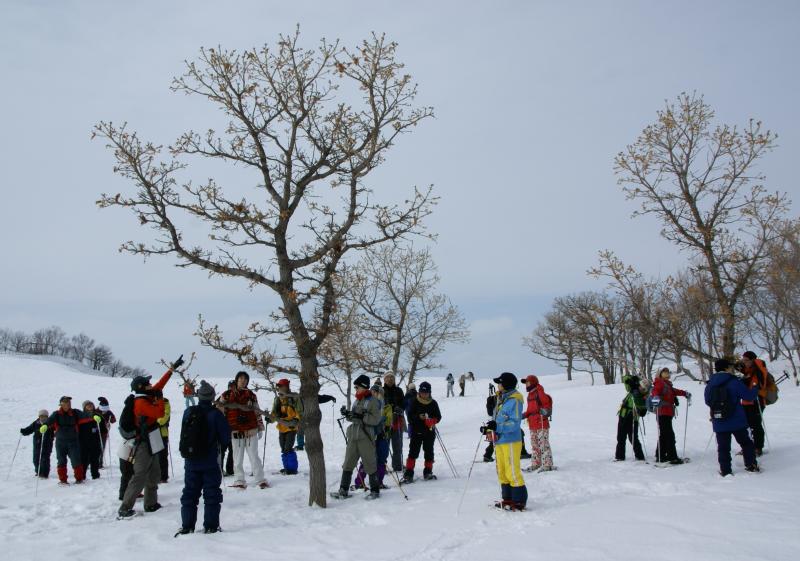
x=98 y=419
x=267 y=418
x=429 y=422
x=43 y=429
x=491 y=425
x=343 y=411
x=178 y=363
x=333 y=399
x=354 y=415
x=22 y=431
x=688 y=398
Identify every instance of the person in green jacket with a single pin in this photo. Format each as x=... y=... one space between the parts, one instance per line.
x=364 y=416
x=630 y=411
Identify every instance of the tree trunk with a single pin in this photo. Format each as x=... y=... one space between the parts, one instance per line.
x=312 y=417
x=569 y=367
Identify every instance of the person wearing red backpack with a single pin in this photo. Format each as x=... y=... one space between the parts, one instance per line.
x=755 y=376
x=540 y=406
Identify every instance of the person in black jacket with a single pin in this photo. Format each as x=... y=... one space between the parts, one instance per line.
x=42 y=444
x=90 y=441
x=64 y=422
x=203 y=475
x=423 y=415
x=393 y=396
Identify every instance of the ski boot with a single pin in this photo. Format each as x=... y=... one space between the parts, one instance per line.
x=344 y=485
x=184 y=531
x=408 y=476
x=374 y=488
x=152 y=508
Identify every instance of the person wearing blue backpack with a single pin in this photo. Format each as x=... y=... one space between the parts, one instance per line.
x=202 y=466
x=723 y=395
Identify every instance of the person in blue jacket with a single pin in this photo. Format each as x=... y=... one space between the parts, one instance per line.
x=730 y=420
x=205 y=474
x=504 y=429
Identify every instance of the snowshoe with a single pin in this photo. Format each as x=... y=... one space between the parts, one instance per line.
x=340 y=494
x=428 y=476
x=152 y=508
x=66 y=484
x=372 y=496
x=184 y=531
x=753 y=469
x=544 y=469
x=127 y=514
x=212 y=530
x=534 y=468
x=263 y=485
x=239 y=485
x=488 y=459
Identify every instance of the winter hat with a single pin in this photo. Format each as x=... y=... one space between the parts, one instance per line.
x=242 y=373
x=750 y=354
x=412 y=386
x=87 y=402
x=377 y=388
x=425 y=387
x=206 y=392
x=102 y=401
x=722 y=365
x=139 y=382
x=362 y=382
x=283 y=382
x=507 y=379
x=64 y=398
x=43 y=413
x=531 y=381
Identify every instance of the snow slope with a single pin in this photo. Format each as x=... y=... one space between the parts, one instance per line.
x=591 y=508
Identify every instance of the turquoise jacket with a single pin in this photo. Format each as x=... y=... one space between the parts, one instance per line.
x=508 y=416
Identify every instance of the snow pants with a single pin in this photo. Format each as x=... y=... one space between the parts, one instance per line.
x=397 y=449
x=424 y=441
x=628 y=429
x=163 y=460
x=42 y=448
x=146 y=475
x=381 y=456
x=360 y=448
x=665 y=451
x=69 y=448
x=724 y=449
x=508 y=463
x=125 y=474
x=450 y=391
x=90 y=453
x=541 y=454
x=288 y=455
x=241 y=442
x=756 y=425
x=206 y=481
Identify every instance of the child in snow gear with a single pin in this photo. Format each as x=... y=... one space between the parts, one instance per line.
x=662 y=388
x=630 y=411
x=242 y=411
x=730 y=421
x=394 y=398
x=540 y=407
x=450 y=383
x=203 y=474
x=65 y=422
x=286 y=413
x=423 y=416
x=91 y=443
x=42 y=444
x=108 y=419
x=140 y=416
x=364 y=416
x=504 y=430
x=755 y=376
x=163 y=456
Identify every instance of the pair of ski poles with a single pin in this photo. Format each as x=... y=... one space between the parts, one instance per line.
x=447 y=457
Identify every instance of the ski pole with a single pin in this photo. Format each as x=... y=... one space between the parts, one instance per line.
x=763 y=425
x=339 y=421
x=394 y=475
x=169 y=451
x=14 y=458
x=475 y=455
x=446 y=453
x=110 y=459
x=686 y=425
x=39 y=469
x=264 y=450
x=100 y=440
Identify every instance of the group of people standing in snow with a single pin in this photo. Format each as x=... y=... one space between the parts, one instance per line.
x=736 y=395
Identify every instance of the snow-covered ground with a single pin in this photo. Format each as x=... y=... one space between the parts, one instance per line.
x=590 y=509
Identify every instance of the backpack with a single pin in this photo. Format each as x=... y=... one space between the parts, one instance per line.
x=770 y=390
x=721 y=406
x=194 y=443
x=127 y=427
x=547 y=411
x=652 y=403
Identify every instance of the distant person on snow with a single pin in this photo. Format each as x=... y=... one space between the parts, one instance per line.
x=364 y=416
x=140 y=416
x=423 y=416
x=728 y=416
x=65 y=422
x=504 y=429
x=630 y=411
x=91 y=441
x=450 y=383
x=188 y=394
x=540 y=406
x=203 y=475
x=42 y=444
x=243 y=414
x=662 y=388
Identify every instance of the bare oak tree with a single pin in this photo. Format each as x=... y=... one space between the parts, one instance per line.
x=311 y=125
x=699 y=180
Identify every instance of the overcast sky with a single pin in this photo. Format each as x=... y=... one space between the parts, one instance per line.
x=532 y=101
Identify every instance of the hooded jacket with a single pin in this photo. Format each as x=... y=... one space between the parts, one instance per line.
x=508 y=415
x=737 y=391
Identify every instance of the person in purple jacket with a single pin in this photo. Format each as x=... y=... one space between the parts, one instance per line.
x=724 y=394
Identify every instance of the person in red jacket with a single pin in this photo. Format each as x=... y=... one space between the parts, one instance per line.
x=538 y=414
x=662 y=389
x=754 y=371
x=142 y=411
x=241 y=407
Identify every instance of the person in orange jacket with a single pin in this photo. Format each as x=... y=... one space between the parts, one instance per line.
x=662 y=388
x=755 y=375
x=142 y=411
x=538 y=414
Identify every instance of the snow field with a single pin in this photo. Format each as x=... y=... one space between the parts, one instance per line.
x=591 y=508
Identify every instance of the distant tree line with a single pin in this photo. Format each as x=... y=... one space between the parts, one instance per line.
x=53 y=341
x=741 y=285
